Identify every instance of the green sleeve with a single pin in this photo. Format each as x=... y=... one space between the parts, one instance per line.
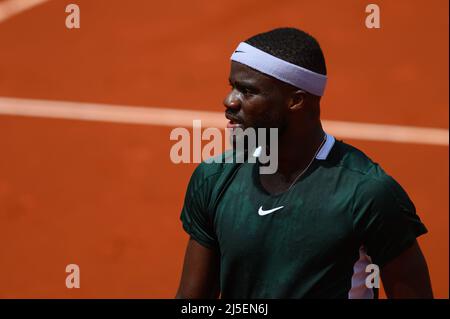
x=196 y=220
x=385 y=219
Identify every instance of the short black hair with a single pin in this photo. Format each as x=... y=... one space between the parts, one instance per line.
x=292 y=45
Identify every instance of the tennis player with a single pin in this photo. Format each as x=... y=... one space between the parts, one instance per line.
x=311 y=229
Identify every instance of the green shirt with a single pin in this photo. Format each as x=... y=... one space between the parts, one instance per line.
x=307 y=248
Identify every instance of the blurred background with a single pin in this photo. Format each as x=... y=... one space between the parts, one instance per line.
x=105 y=195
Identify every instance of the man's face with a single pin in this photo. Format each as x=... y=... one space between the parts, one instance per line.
x=256 y=100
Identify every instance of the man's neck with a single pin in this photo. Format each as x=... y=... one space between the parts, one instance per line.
x=297 y=149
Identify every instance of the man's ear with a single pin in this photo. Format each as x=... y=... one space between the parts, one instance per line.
x=297 y=100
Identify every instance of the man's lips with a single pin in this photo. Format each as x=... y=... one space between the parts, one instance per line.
x=234 y=122
x=234 y=125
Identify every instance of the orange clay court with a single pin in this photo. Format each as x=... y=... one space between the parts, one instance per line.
x=106 y=196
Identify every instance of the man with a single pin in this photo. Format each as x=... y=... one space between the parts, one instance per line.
x=310 y=229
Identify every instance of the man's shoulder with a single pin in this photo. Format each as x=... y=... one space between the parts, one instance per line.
x=349 y=158
x=371 y=179
x=214 y=168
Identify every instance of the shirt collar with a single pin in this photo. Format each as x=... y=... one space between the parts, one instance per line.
x=321 y=155
x=326 y=147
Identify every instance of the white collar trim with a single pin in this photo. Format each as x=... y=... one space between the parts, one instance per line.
x=326 y=148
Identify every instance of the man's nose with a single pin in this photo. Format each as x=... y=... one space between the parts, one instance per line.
x=231 y=101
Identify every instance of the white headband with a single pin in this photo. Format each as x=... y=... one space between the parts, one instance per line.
x=266 y=63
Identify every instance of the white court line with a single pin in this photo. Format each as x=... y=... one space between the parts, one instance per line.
x=175 y=117
x=183 y=118
x=10 y=8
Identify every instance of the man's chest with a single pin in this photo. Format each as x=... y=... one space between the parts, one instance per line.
x=303 y=221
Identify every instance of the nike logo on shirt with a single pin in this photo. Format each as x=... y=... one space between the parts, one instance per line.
x=262 y=212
